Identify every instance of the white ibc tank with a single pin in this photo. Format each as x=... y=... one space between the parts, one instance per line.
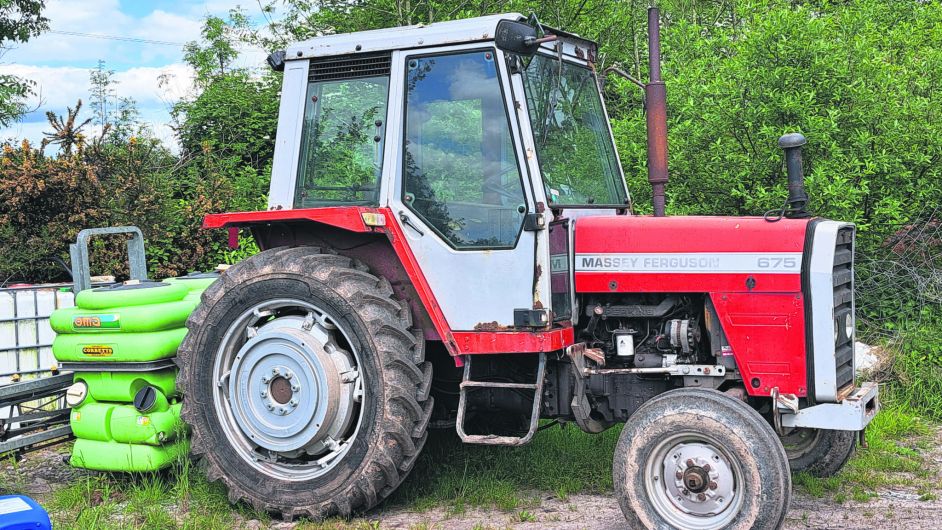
x=25 y=335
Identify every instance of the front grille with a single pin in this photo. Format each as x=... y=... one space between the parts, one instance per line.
x=844 y=304
x=348 y=67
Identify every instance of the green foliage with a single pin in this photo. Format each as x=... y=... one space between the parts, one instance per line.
x=212 y=58
x=19 y=20
x=857 y=78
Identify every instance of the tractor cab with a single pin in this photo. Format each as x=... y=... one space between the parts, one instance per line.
x=469 y=135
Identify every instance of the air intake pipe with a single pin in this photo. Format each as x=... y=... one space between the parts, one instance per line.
x=797 y=197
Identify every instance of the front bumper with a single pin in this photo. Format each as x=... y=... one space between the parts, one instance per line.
x=851 y=414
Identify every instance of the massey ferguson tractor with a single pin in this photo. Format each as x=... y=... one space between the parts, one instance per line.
x=449 y=243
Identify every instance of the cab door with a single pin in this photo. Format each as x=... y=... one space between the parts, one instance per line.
x=460 y=189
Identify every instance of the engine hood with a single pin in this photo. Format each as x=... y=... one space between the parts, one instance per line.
x=688 y=254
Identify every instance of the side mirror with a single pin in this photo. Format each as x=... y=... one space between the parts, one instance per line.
x=516 y=37
x=277 y=61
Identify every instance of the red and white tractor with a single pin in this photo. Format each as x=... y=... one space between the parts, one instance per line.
x=449 y=243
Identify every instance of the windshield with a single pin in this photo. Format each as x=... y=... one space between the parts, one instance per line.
x=573 y=143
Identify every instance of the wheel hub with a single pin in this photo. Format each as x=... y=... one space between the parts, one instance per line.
x=280 y=389
x=700 y=482
x=286 y=390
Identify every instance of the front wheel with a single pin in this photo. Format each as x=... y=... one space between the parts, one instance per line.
x=820 y=452
x=700 y=460
x=304 y=387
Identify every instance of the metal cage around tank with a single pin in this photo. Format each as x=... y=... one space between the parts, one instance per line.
x=25 y=334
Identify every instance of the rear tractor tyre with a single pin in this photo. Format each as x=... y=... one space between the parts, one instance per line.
x=698 y=459
x=820 y=452
x=305 y=390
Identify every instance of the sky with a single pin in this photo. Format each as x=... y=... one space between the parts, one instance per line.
x=59 y=62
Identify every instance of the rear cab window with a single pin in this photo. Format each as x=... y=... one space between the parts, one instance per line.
x=341 y=158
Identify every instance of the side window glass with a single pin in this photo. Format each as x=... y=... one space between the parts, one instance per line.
x=460 y=173
x=342 y=138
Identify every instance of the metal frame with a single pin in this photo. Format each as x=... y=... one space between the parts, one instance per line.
x=137 y=259
x=852 y=414
x=284 y=171
x=36 y=317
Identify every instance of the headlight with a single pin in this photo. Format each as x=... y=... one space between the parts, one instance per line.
x=76 y=394
x=849 y=326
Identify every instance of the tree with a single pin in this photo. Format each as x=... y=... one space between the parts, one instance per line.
x=19 y=20
x=66 y=132
x=214 y=57
x=102 y=93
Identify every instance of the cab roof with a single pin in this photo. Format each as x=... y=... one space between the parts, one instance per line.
x=402 y=37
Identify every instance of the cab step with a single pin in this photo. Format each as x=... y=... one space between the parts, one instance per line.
x=467 y=384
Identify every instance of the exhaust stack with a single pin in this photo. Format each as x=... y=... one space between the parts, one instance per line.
x=797 y=197
x=656 y=102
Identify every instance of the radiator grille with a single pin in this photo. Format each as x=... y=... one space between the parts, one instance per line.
x=347 y=67
x=844 y=304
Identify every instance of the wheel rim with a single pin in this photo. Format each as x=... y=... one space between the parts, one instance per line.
x=693 y=482
x=288 y=391
x=799 y=442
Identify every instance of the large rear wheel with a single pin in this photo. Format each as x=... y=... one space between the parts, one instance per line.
x=306 y=391
x=700 y=460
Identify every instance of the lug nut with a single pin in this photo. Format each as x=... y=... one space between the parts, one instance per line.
x=706 y=467
x=266 y=379
x=701 y=497
x=713 y=485
x=263 y=393
x=288 y=375
x=293 y=402
x=270 y=406
x=690 y=462
x=295 y=388
x=679 y=475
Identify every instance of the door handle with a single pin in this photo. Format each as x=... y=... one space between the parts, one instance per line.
x=408 y=222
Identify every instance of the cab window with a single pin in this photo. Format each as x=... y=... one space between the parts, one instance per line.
x=460 y=172
x=342 y=136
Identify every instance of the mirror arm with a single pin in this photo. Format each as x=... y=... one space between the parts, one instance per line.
x=622 y=73
x=531 y=41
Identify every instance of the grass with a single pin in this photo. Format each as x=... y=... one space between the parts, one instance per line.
x=896 y=442
x=560 y=461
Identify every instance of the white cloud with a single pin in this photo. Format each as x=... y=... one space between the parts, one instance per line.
x=153 y=74
x=61 y=86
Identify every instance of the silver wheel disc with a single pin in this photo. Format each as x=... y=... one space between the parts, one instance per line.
x=288 y=389
x=693 y=482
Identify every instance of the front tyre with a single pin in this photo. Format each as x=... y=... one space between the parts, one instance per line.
x=305 y=390
x=700 y=460
x=820 y=452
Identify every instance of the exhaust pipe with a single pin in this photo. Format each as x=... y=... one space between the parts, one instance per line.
x=656 y=103
x=797 y=197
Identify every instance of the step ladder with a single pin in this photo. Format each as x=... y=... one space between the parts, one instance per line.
x=494 y=439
